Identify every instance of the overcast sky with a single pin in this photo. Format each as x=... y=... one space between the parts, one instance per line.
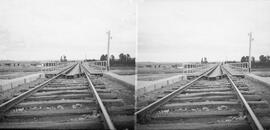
x=47 y=29
x=186 y=30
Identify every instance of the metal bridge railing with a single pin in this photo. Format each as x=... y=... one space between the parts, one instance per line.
x=240 y=67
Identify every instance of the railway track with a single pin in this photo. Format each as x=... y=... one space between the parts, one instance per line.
x=214 y=100
x=72 y=99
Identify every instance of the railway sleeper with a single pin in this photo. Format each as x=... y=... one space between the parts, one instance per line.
x=210 y=86
x=61 y=92
x=203 y=113
x=65 y=83
x=30 y=114
x=45 y=114
x=216 y=98
x=69 y=92
x=123 y=110
x=213 y=83
x=215 y=87
x=45 y=89
x=208 y=91
x=114 y=102
x=70 y=96
x=215 y=77
x=221 y=125
x=223 y=93
x=213 y=104
x=190 y=95
x=72 y=124
x=75 y=87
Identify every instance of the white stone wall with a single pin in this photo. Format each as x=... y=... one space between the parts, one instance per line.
x=151 y=86
x=12 y=83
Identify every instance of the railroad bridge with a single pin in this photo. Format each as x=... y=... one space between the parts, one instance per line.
x=74 y=96
x=215 y=98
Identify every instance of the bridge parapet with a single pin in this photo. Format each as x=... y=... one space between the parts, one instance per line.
x=237 y=68
x=195 y=68
x=54 y=66
x=96 y=66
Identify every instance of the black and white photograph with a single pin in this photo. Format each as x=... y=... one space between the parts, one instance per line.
x=67 y=64
x=203 y=64
x=135 y=64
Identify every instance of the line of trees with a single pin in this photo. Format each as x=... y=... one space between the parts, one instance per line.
x=264 y=61
x=246 y=59
x=124 y=59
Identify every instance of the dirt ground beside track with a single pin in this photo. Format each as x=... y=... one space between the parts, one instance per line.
x=260 y=89
x=124 y=92
x=262 y=73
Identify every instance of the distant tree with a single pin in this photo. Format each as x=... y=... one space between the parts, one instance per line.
x=121 y=58
x=268 y=58
x=263 y=59
x=128 y=57
x=243 y=59
x=247 y=58
x=103 y=57
x=112 y=60
x=253 y=59
x=112 y=57
x=124 y=59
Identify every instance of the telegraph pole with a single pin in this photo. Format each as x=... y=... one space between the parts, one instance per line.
x=108 y=50
x=250 y=39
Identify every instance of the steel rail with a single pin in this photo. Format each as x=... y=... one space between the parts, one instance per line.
x=14 y=101
x=143 y=114
x=109 y=124
x=252 y=118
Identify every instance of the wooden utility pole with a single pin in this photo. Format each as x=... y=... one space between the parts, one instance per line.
x=108 y=50
x=250 y=39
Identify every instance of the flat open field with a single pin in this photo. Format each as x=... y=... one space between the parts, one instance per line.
x=16 y=72
x=123 y=70
x=13 y=75
x=19 y=69
x=263 y=72
x=151 y=74
x=153 y=77
x=158 y=70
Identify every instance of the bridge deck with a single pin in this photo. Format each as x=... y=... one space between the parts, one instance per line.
x=75 y=70
x=216 y=72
